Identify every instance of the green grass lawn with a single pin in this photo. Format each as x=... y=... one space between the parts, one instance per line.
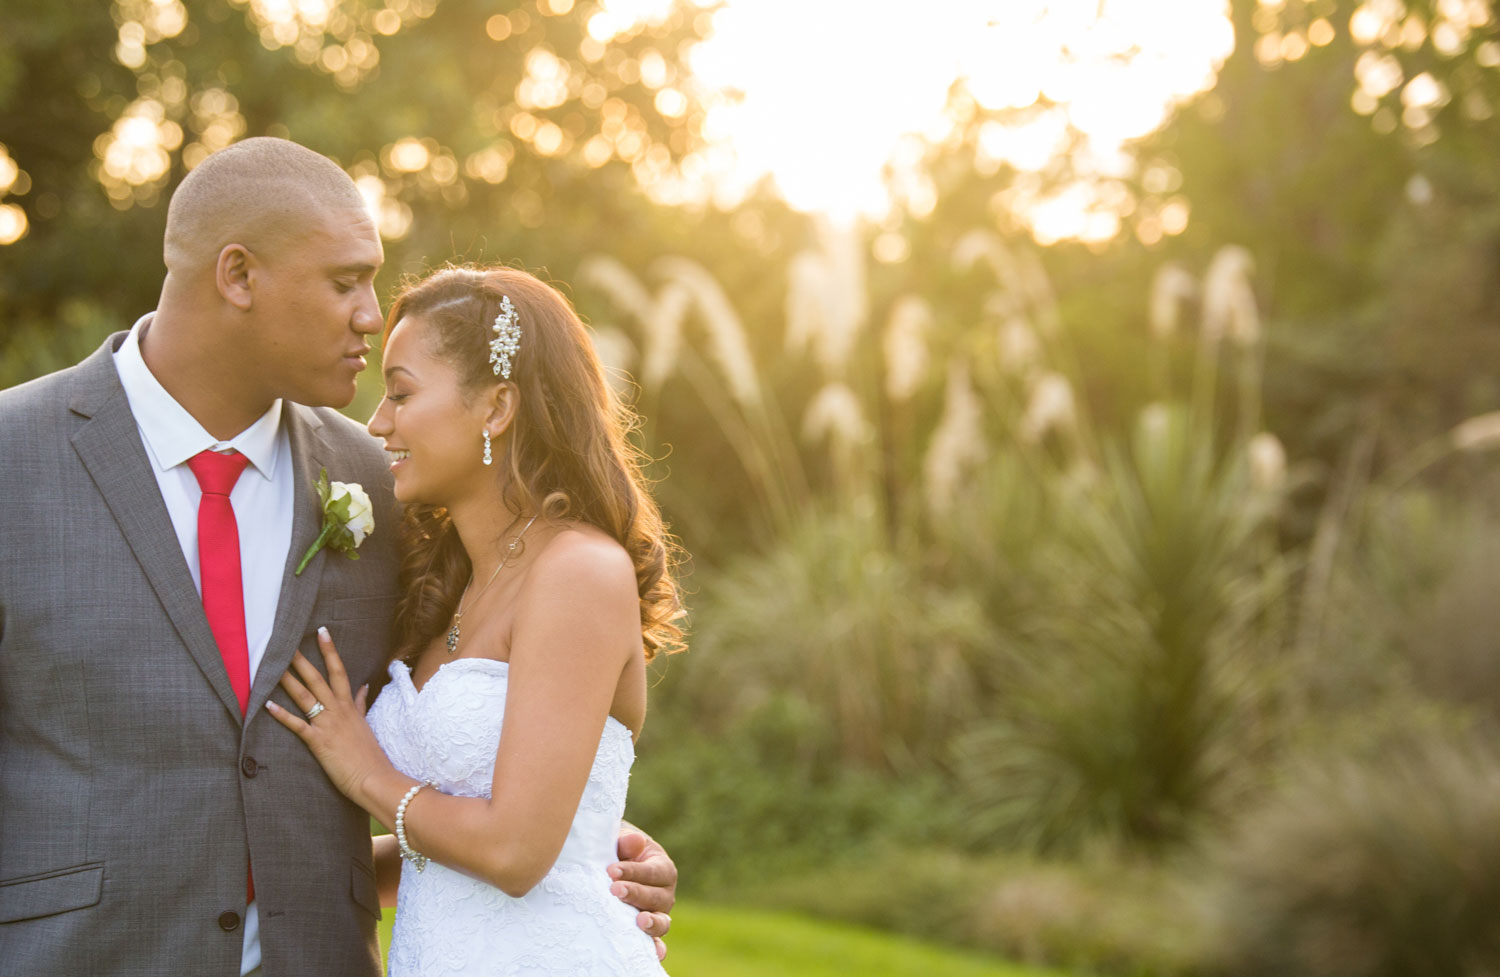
x=718 y=941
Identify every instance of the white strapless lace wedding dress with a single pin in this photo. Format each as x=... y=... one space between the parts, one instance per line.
x=448 y=923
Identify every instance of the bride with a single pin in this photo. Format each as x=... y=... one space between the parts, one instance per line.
x=536 y=586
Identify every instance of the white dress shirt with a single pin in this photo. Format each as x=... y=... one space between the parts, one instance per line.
x=262 y=501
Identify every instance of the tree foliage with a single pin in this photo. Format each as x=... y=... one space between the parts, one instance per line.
x=499 y=131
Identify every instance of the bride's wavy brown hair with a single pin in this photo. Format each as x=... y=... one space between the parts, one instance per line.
x=568 y=454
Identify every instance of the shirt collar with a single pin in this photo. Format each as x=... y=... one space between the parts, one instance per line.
x=172 y=435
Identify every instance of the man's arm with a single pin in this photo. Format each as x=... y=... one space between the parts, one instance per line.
x=387 y=868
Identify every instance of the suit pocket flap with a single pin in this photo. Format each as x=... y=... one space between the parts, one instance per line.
x=363 y=608
x=56 y=892
x=362 y=887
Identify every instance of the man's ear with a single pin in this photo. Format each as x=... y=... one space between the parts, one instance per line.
x=504 y=401
x=233 y=276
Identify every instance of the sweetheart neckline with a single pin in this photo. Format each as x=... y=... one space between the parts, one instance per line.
x=452 y=661
x=417 y=693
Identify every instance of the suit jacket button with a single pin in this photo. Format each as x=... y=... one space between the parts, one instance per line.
x=248 y=766
x=229 y=921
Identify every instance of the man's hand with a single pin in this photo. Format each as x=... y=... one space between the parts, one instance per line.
x=645 y=878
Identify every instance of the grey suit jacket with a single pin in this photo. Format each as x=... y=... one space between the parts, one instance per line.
x=131 y=792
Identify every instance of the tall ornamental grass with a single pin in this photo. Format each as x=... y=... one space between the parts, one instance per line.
x=1378 y=866
x=834 y=617
x=959 y=569
x=1131 y=696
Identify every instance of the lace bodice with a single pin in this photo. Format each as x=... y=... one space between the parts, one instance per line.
x=448 y=923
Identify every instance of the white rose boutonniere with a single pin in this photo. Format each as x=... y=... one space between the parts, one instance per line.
x=348 y=518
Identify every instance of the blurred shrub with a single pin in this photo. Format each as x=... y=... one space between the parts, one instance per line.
x=1412 y=607
x=1131 y=697
x=837 y=619
x=996 y=539
x=1441 y=559
x=1382 y=865
x=824 y=677
x=35 y=348
x=755 y=798
x=1100 y=917
x=1097 y=914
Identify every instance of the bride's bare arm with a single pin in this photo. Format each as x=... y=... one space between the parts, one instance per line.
x=578 y=623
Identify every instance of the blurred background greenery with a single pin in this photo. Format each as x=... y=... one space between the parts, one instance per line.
x=1094 y=535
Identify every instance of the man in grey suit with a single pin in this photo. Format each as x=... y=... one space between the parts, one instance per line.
x=153 y=818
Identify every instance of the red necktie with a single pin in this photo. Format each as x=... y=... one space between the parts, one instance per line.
x=219 y=570
x=219 y=564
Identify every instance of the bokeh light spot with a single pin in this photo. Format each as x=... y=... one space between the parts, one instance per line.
x=13 y=224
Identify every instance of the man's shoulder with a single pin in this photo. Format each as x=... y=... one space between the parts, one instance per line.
x=58 y=390
x=42 y=401
x=44 y=391
x=340 y=429
x=39 y=418
x=347 y=438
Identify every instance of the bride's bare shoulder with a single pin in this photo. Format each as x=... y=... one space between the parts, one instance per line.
x=579 y=557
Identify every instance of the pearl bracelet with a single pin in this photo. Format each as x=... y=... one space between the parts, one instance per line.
x=407 y=851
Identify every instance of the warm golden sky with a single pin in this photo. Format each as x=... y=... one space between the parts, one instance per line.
x=821 y=96
x=834 y=89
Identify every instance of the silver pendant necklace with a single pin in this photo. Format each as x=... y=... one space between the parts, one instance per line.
x=510 y=551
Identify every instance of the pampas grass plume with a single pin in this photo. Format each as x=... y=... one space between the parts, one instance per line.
x=981 y=245
x=1478 y=433
x=825 y=303
x=1267 y=460
x=619 y=283
x=1051 y=407
x=906 y=347
x=1020 y=350
x=835 y=414
x=1229 y=309
x=616 y=354
x=1170 y=289
x=728 y=345
x=958 y=443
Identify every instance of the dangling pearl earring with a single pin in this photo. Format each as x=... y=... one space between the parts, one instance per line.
x=488 y=458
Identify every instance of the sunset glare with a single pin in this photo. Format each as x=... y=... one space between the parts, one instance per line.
x=821 y=97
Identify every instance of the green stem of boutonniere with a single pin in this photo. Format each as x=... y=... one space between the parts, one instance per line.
x=329 y=528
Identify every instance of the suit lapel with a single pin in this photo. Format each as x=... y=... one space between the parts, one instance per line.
x=110 y=447
x=310 y=453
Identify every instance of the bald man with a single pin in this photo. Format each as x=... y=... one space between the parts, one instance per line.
x=154 y=819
